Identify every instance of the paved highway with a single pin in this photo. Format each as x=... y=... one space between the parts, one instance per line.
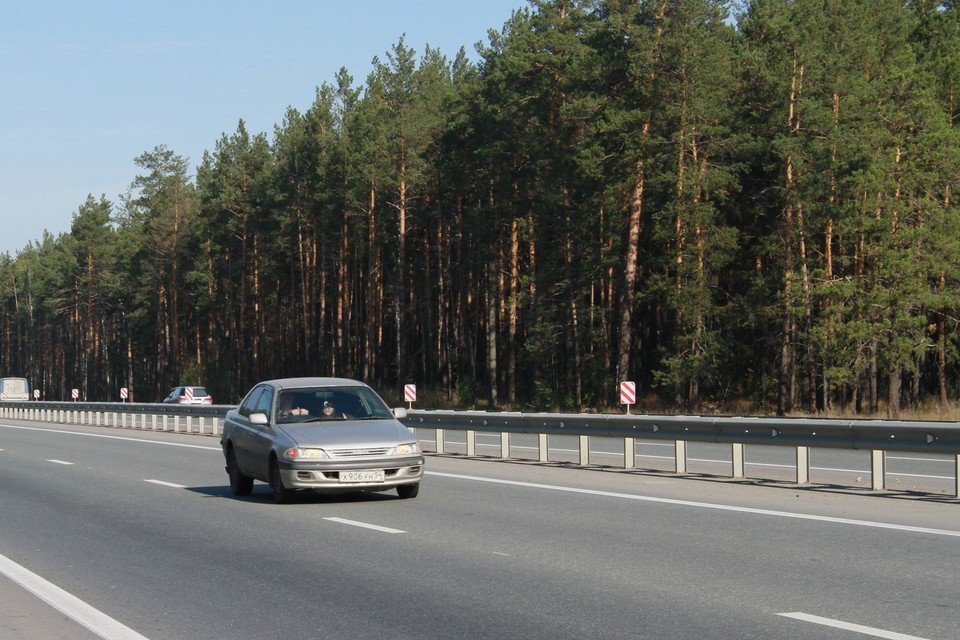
x=131 y=535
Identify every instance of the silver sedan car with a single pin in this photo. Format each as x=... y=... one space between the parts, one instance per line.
x=331 y=435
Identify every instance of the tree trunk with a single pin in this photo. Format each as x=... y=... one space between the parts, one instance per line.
x=630 y=267
x=513 y=314
x=491 y=305
x=400 y=308
x=787 y=390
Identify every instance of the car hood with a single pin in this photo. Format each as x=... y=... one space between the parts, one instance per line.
x=348 y=433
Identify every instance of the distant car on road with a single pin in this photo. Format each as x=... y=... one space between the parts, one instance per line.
x=330 y=435
x=189 y=395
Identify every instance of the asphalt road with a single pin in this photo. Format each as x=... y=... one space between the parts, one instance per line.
x=127 y=535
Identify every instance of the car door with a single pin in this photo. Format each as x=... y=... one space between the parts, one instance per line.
x=252 y=442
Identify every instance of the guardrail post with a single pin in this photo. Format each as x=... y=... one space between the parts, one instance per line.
x=584 y=451
x=439 y=446
x=878 y=471
x=629 y=453
x=543 y=447
x=736 y=455
x=471 y=442
x=956 y=476
x=803 y=465
x=680 y=456
x=505 y=445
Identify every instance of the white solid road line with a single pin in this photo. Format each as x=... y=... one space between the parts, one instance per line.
x=60 y=462
x=848 y=626
x=109 y=437
x=703 y=505
x=71 y=606
x=612 y=454
x=365 y=525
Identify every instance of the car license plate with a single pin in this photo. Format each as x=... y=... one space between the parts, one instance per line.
x=370 y=475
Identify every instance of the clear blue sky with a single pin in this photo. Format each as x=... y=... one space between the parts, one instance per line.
x=88 y=85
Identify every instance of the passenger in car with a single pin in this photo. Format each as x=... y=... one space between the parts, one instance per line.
x=329 y=410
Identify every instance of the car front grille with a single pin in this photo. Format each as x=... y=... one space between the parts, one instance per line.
x=335 y=475
x=357 y=453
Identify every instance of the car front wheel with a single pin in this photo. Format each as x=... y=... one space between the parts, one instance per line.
x=281 y=495
x=240 y=484
x=406 y=491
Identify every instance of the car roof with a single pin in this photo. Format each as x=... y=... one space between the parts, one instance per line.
x=297 y=383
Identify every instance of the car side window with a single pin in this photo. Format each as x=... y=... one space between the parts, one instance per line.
x=251 y=402
x=264 y=402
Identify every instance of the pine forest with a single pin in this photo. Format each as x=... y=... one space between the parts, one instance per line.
x=740 y=206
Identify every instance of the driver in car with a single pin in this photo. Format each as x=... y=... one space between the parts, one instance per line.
x=289 y=408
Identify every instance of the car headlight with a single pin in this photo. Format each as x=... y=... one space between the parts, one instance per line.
x=406 y=449
x=296 y=453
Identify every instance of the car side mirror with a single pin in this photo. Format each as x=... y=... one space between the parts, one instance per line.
x=258 y=418
x=399 y=413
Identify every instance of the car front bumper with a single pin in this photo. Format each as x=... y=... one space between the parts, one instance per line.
x=325 y=475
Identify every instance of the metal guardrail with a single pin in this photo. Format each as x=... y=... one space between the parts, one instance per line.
x=204 y=419
x=876 y=436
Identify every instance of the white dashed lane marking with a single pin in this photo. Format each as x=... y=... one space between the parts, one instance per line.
x=365 y=525
x=163 y=483
x=849 y=626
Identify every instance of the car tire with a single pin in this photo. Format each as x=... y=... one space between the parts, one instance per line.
x=281 y=495
x=407 y=491
x=240 y=484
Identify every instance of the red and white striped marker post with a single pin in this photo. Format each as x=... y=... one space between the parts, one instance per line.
x=410 y=394
x=188 y=392
x=75 y=393
x=628 y=394
x=36 y=394
x=123 y=394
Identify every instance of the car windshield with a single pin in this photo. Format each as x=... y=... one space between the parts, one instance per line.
x=329 y=403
